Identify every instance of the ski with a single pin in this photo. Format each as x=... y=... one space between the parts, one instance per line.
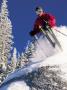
x=54 y=36
x=47 y=36
x=50 y=32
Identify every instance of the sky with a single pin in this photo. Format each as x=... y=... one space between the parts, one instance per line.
x=22 y=16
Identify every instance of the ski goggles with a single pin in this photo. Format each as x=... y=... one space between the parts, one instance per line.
x=39 y=11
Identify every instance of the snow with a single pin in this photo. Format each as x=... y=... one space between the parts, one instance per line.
x=45 y=55
x=19 y=85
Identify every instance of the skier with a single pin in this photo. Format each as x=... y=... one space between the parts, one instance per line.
x=44 y=23
x=41 y=21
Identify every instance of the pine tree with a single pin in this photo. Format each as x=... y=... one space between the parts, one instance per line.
x=23 y=60
x=30 y=49
x=14 y=59
x=24 y=57
x=5 y=34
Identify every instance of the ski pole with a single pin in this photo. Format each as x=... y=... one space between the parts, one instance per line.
x=54 y=37
x=55 y=29
x=47 y=36
x=61 y=33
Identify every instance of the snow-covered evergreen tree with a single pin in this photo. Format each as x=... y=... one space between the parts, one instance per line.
x=5 y=33
x=23 y=60
x=24 y=57
x=30 y=49
x=14 y=59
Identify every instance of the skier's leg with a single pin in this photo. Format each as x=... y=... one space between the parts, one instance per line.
x=47 y=36
x=55 y=39
x=52 y=43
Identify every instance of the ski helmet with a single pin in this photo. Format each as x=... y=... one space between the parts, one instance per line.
x=38 y=8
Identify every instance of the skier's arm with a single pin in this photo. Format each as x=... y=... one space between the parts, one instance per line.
x=36 y=28
x=51 y=21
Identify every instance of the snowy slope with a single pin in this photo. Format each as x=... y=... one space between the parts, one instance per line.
x=45 y=55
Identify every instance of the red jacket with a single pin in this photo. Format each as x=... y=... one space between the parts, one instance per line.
x=47 y=17
x=40 y=22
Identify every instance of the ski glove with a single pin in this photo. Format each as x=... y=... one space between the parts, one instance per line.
x=34 y=32
x=31 y=33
